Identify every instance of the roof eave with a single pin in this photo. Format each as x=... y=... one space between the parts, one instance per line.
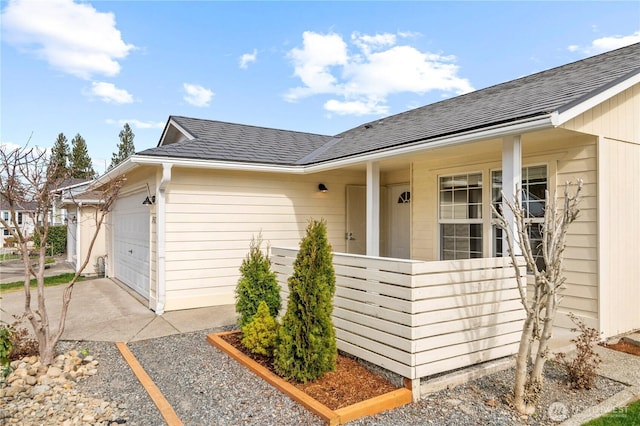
x=522 y=126
x=218 y=164
x=584 y=104
x=540 y=122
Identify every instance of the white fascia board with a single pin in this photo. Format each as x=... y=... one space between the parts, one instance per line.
x=522 y=126
x=181 y=129
x=73 y=201
x=218 y=165
x=118 y=170
x=574 y=111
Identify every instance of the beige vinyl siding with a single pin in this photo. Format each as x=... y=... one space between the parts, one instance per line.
x=568 y=157
x=617 y=117
x=581 y=254
x=211 y=217
x=619 y=204
x=87 y=223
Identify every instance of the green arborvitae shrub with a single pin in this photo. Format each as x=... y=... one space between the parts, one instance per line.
x=259 y=336
x=257 y=283
x=306 y=347
x=56 y=239
x=6 y=335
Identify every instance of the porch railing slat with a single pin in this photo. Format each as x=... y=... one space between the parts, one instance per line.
x=418 y=318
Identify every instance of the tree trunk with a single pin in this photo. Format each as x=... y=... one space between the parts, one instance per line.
x=543 y=345
x=519 y=389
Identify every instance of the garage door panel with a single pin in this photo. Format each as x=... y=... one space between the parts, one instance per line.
x=131 y=243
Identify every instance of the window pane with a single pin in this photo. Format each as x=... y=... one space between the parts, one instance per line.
x=535 y=173
x=460 y=212
x=534 y=185
x=460 y=200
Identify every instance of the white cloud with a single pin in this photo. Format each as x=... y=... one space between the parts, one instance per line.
x=376 y=67
x=72 y=37
x=312 y=64
x=248 y=58
x=109 y=93
x=197 y=95
x=355 y=107
x=605 y=44
x=137 y=124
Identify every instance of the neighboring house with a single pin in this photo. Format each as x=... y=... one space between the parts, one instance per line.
x=415 y=185
x=58 y=211
x=80 y=208
x=24 y=221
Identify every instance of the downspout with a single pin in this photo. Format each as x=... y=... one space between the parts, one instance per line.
x=78 y=235
x=160 y=238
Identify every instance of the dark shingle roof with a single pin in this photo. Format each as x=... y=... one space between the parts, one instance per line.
x=216 y=140
x=536 y=95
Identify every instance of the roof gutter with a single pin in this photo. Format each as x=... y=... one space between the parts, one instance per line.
x=521 y=126
x=513 y=128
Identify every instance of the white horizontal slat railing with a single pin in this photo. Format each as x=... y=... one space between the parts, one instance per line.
x=419 y=318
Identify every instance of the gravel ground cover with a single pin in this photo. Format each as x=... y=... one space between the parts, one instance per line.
x=207 y=387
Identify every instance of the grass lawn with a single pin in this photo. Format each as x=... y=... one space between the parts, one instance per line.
x=48 y=282
x=8 y=256
x=625 y=416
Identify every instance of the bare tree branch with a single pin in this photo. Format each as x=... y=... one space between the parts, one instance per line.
x=542 y=305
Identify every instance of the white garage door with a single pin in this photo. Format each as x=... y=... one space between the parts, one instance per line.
x=131 y=243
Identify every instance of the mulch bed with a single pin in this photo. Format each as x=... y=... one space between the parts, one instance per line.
x=350 y=383
x=624 y=346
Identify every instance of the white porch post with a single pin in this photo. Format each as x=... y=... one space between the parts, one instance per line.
x=373 y=209
x=511 y=179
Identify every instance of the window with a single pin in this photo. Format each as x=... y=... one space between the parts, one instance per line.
x=460 y=216
x=5 y=215
x=404 y=198
x=19 y=218
x=534 y=185
x=5 y=232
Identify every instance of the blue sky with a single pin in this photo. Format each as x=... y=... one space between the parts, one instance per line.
x=322 y=67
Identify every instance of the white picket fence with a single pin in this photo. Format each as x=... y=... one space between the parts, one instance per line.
x=418 y=318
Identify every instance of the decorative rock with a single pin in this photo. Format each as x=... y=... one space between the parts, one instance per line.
x=54 y=372
x=36 y=394
x=454 y=402
x=40 y=389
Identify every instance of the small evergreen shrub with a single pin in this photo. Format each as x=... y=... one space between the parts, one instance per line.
x=257 y=283
x=259 y=336
x=6 y=337
x=583 y=368
x=56 y=239
x=306 y=347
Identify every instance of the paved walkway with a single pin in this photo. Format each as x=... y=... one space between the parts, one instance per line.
x=619 y=366
x=102 y=310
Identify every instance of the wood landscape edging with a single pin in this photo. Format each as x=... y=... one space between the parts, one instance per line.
x=390 y=400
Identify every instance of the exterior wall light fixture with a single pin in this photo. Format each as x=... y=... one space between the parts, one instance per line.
x=149 y=200
x=322 y=188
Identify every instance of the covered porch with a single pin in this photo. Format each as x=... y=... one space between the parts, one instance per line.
x=418 y=319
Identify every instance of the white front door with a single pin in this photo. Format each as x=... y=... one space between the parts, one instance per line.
x=356 y=232
x=131 y=242
x=399 y=221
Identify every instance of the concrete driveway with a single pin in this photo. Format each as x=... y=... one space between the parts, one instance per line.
x=102 y=310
